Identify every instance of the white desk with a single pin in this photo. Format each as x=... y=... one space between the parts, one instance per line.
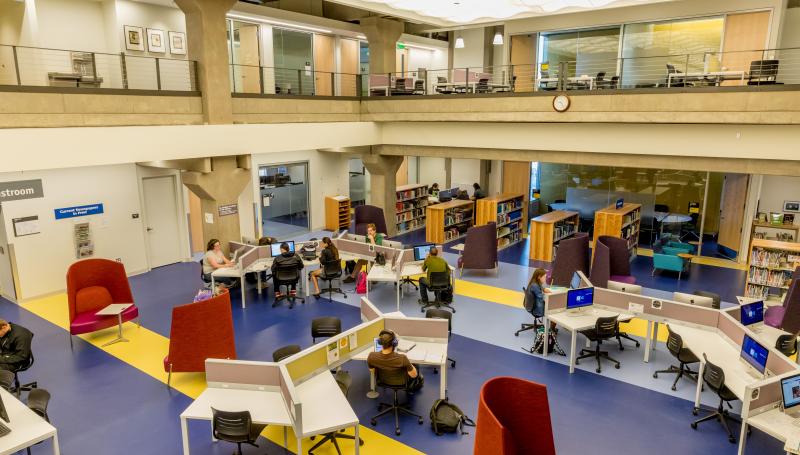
x=717 y=76
x=230 y=272
x=384 y=274
x=574 y=79
x=577 y=321
x=774 y=423
x=325 y=408
x=27 y=428
x=266 y=408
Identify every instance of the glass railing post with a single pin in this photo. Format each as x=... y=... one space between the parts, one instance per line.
x=333 y=84
x=261 y=79
x=359 y=85
x=158 y=74
x=16 y=64
x=299 y=82
x=94 y=69
x=196 y=75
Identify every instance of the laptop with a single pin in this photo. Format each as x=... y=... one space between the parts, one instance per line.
x=790 y=387
x=3 y=412
x=421 y=252
x=236 y=255
x=754 y=354
x=752 y=315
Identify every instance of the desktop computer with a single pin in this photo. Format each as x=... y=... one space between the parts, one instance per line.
x=752 y=315
x=790 y=388
x=421 y=251
x=624 y=287
x=579 y=299
x=275 y=248
x=692 y=299
x=754 y=354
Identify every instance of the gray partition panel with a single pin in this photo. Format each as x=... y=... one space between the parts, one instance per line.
x=286 y=394
x=368 y=310
x=249 y=258
x=264 y=252
x=417 y=327
x=732 y=329
x=242 y=372
x=768 y=394
x=555 y=301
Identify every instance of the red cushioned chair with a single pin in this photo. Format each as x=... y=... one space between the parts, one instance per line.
x=93 y=284
x=200 y=331
x=513 y=419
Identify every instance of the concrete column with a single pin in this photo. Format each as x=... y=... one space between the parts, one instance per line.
x=221 y=186
x=383 y=185
x=382 y=35
x=206 y=32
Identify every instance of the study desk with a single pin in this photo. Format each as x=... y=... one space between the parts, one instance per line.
x=230 y=272
x=774 y=423
x=415 y=268
x=384 y=274
x=715 y=76
x=588 y=80
x=580 y=320
x=27 y=427
x=266 y=408
x=325 y=408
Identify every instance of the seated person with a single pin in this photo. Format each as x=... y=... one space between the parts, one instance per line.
x=463 y=195
x=478 y=193
x=285 y=260
x=15 y=346
x=329 y=253
x=374 y=238
x=537 y=288
x=265 y=241
x=434 y=190
x=215 y=259
x=388 y=360
x=433 y=263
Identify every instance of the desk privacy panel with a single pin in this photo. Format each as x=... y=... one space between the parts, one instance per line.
x=417 y=327
x=557 y=301
x=669 y=309
x=242 y=372
x=249 y=258
x=767 y=393
x=287 y=392
x=369 y=312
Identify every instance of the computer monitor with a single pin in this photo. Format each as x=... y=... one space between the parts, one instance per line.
x=692 y=299
x=575 y=283
x=752 y=313
x=791 y=391
x=624 y=287
x=754 y=353
x=578 y=298
x=3 y=412
x=275 y=248
x=378 y=346
x=421 y=251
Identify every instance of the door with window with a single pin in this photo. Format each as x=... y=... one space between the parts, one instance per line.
x=284 y=199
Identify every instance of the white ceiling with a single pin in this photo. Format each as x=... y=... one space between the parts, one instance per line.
x=454 y=13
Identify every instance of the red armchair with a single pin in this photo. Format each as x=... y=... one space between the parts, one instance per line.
x=513 y=419
x=93 y=284
x=200 y=331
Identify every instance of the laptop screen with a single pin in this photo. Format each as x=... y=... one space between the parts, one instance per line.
x=752 y=313
x=754 y=353
x=275 y=248
x=421 y=251
x=791 y=391
x=576 y=281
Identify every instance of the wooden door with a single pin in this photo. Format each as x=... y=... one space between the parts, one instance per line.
x=523 y=59
x=402 y=174
x=323 y=65
x=743 y=32
x=517 y=179
x=248 y=58
x=731 y=213
x=348 y=66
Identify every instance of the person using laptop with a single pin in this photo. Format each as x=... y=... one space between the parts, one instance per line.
x=433 y=263
x=537 y=288
x=286 y=259
x=434 y=190
x=387 y=358
x=15 y=346
x=478 y=192
x=329 y=254
x=373 y=238
x=215 y=259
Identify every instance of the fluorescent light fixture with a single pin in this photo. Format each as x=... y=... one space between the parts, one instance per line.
x=498 y=39
x=361 y=37
x=272 y=22
x=459 y=43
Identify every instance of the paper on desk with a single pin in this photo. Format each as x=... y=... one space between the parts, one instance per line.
x=433 y=357
x=792 y=444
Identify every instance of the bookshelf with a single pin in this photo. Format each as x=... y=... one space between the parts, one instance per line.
x=623 y=222
x=770 y=267
x=337 y=213
x=781 y=232
x=508 y=210
x=548 y=230
x=410 y=207
x=448 y=221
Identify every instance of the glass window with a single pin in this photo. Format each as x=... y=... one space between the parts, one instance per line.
x=294 y=60
x=586 y=51
x=534 y=179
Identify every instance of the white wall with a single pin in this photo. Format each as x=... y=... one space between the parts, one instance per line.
x=471 y=56
x=431 y=170
x=147 y=15
x=42 y=259
x=71 y=24
x=465 y=172
x=775 y=189
x=790 y=32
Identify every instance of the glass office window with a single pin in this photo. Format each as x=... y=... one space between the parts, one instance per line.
x=534 y=179
x=648 y=48
x=586 y=51
x=294 y=61
x=284 y=199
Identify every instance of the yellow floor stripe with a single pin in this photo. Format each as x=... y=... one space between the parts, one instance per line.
x=486 y=292
x=146 y=351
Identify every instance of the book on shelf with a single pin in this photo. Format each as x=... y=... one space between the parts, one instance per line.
x=508 y=206
x=412 y=194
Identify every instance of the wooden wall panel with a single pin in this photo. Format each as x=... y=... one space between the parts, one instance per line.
x=517 y=179
x=744 y=32
x=323 y=64
x=348 y=66
x=523 y=57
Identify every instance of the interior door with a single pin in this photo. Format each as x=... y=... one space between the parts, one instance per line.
x=7 y=288
x=248 y=58
x=323 y=64
x=348 y=67
x=731 y=212
x=523 y=59
x=161 y=218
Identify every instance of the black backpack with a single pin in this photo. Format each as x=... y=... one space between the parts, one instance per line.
x=448 y=418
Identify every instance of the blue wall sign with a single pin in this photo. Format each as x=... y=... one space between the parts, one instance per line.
x=81 y=210
x=620 y=203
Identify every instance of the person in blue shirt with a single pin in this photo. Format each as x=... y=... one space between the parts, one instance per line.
x=536 y=290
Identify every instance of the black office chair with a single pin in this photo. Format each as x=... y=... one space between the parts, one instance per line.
x=419 y=87
x=436 y=313
x=440 y=284
x=716 y=298
x=394 y=380
x=763 y=72
x=38 y=400
x=787 y=344
x=19 y=388
x=604 y=329
x=621 y=335
x=537 y=318
x=287 y=276
x=7 y=380
x=684 y=356
x=206 y=280
x=236 y=427
x=284 y=352
x=482 y=86
x=332 y=270
x=714 y=378
x=344 y=381
x=326 y=326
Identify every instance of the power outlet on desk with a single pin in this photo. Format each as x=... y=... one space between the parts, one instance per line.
x=656 y=304
x=636 y=308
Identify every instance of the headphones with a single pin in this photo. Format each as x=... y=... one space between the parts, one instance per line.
x=395 y=341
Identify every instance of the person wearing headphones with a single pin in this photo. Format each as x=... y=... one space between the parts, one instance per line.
x=387 y=358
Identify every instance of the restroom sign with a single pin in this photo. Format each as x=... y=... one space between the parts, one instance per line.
x=21 y=189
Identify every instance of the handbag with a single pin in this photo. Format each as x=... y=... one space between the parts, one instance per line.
x=380 y=258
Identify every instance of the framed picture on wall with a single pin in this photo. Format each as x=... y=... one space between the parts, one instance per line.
x=155 y=40
x=791 y=206
x=134 y=38
x=177 y=43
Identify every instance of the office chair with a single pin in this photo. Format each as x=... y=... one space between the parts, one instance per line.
x=787 y=344
x=19 y=388
x=684 y=356
x=537 y=318
x=284 y=352
x=621 y=335
x=7 y=380
x=206 y=280
x=716 y=298
x=436 y=313
x=440 y=281
x=332 y=270
x=287 y=276
x=394 y=380
x=604 y=329
x=235 y=427
x=714 y=377
x=37 y=402
x=326 y=326
x=344 y=381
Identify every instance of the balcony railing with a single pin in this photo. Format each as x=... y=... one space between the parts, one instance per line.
x=287 y=81
x=34 y=66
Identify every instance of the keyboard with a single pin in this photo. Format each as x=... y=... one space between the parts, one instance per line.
x=4 y=430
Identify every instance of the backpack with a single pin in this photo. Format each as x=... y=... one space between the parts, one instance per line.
x=380 y=259
x=361 y=283
x=448 y=418
x=309 y=250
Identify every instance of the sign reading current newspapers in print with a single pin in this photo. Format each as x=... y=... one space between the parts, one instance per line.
x=81 y=210
x=21 y=189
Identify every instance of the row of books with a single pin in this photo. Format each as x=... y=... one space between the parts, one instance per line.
x=412 y=194
x=508 y=216
x=409 y=225
x=761 y=257
x=509 y=205
x=457 y=216
x=756 y=291
x=455 y=232
x=416 y=203
x=503 y=242
x=629 y=218
x=410 y=215
x=561 y=230
x=774 y=278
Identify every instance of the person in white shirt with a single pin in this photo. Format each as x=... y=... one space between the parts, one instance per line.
x=215 y=259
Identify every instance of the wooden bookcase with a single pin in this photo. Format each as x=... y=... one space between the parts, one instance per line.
x=780 y=232
x=509 y=211
x=410 y=207
x=621 y=222
x=770 y=267
x=337 y=213
x=549 y=229
x=449 y=221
